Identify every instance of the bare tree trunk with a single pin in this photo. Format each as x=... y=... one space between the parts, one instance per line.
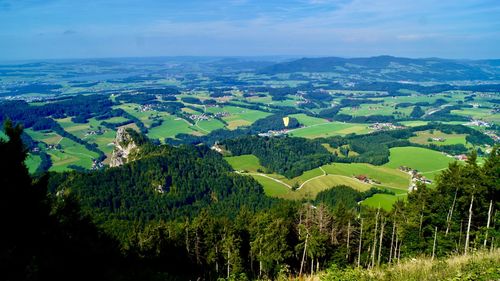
x=228 y=262
x=421 y=222
x=468 y=226
x=197 y=248
x=450 y=213
x=492 y=246
x=396 y=246
x=382 y=224
x=392 y=240
x=434 y=245
x=360 y=241
x=460 y=236
x=399 y=250
x=375 y=239
x=216 y=259
x=488 y=224
x=348 y=237
x=260 y=262
x=187 y=237
x=303 y=255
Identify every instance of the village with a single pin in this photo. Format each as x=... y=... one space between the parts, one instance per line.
x=416 y=177
x=385 y=127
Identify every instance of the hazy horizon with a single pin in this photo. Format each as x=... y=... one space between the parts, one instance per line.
x=64 y=29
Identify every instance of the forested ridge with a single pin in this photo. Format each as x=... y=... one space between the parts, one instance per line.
x=181 y=213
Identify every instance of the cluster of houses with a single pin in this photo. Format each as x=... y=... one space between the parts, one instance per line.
x=146 y=107
x=416 y=177
x=216 y=147
x=204 y=116
x=222 y=114
x=385 y=127
x=54 y=147
x=461 y=157
x=366 y=179
x=97 y=132
x=492 y=135
x=478 y=123
x=96 y=164
x=274 y=133
x=437 y=139
x=199 y=117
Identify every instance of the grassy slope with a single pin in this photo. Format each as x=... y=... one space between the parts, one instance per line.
x=428 y=162
x=478 y=266
x=338 y=174
x=423 y=136
x=387 y=176
x=32 y=162
x=244 y=163
x=329 y=129
x=308 y=120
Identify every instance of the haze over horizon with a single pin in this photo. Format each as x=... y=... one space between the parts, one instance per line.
x=60 y=29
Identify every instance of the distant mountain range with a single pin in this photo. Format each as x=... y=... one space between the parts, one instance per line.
x=394 y=68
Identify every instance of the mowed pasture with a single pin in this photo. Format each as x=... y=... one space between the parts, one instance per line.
x=32 y=162
x=238 y=116
x=329 y=129
x=384 y=201
x=104 y=141
x=428 y=162
x=311 y=189
x=375 y=109
x=71 y=153
x=386 y=176
x=479 y=113
x=425 y=137
x=172 y=126
x=247 y=162
x=314 y=181
x=308 y=120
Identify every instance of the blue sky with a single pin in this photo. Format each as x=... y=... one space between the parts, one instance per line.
x=37 y=29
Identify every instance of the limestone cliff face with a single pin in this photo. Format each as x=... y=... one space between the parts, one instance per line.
x=124 y=147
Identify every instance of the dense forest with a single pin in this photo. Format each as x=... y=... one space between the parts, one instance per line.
x=181 y=213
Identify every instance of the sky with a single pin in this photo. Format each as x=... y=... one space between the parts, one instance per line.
x=41 y=29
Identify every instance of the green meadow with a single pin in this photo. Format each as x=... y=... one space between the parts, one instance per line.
x=428 y=162
x=449 y=139
x=329 y=129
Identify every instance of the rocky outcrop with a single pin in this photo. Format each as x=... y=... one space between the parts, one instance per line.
x=124 y=148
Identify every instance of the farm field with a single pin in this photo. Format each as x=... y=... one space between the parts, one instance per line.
x=172 y=126
x=308 y=120
x=47 y=136
x=32 y=162
x=484 y=114
x=375 y=109
x=428 y=162
x=71 y=153
x=386 y=176
x=247 y=162
x=315 y=186
x=449 y=139
x=315 y=182
x=103 y=140
x=413 y=123
x=238 y=116
x=329 y=129
x=209 y=125
x=384 y=201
